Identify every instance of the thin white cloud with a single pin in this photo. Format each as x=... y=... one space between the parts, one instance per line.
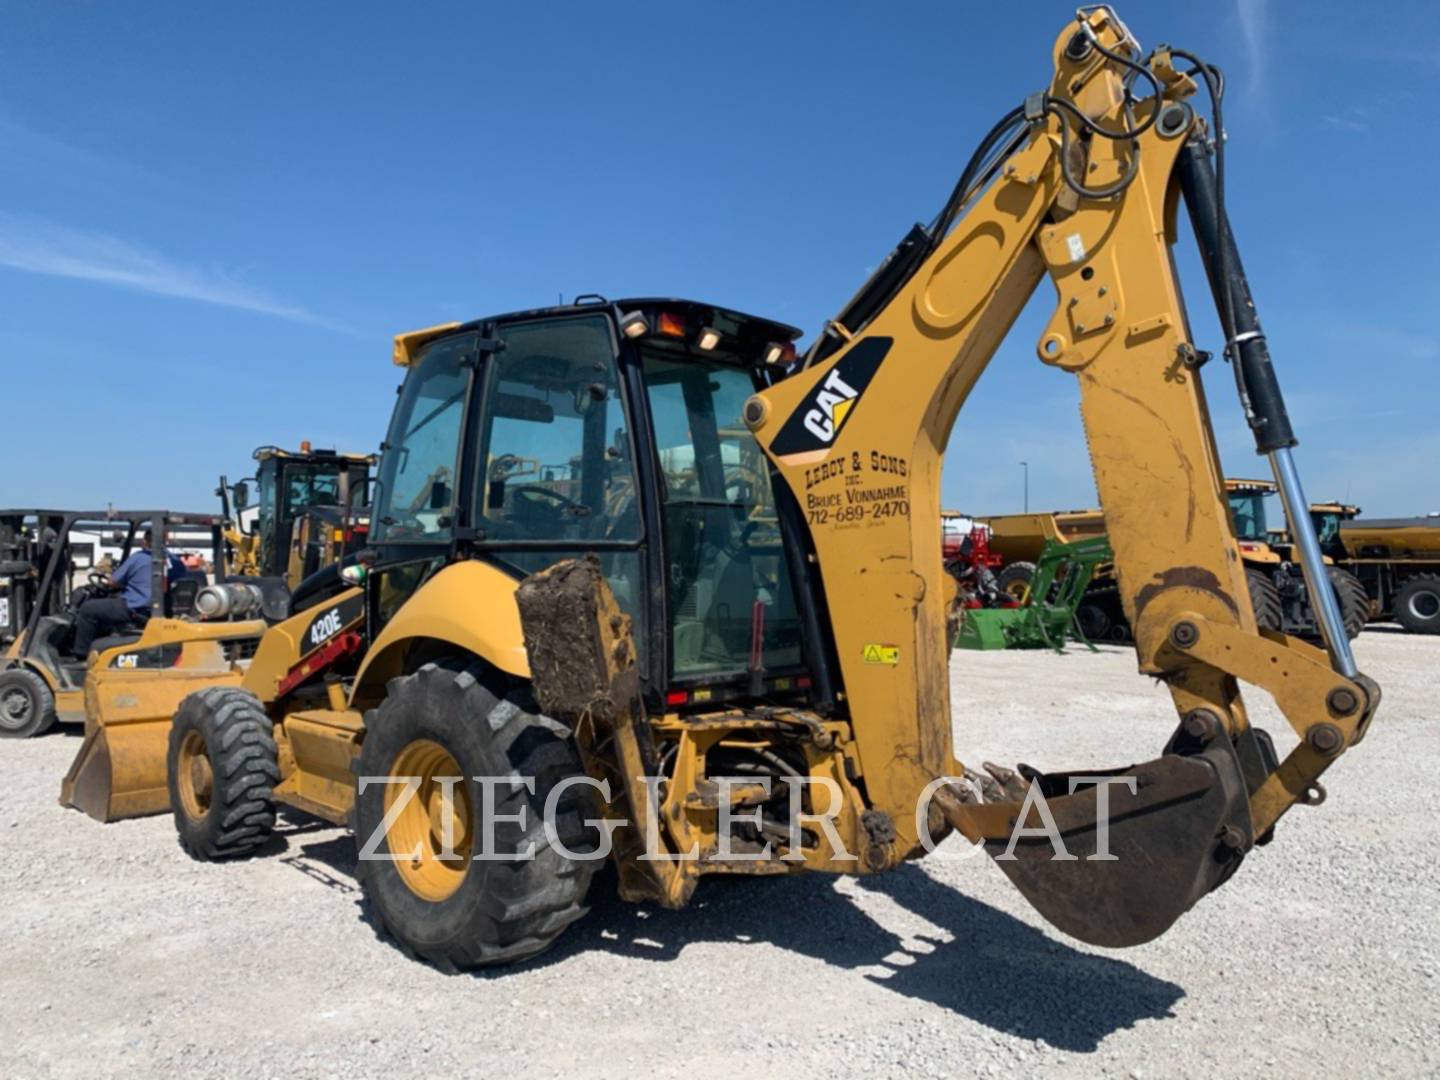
x=1351 y=119
x=1254 y=28
x=42 y=247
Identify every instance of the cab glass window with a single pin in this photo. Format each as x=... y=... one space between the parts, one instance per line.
x=417 y=474
x=311 y=485
x=268 y=495
x=729 y=583
x=1247 y=512
x=557 y=463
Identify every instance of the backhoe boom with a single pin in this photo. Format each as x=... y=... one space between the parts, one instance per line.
x=859 y=434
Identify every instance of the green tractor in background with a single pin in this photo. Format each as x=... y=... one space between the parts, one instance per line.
x=1047 y=616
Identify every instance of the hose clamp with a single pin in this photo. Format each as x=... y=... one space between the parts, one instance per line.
x=1232 y=346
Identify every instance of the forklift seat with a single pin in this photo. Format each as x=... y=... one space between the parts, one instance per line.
x=114 y=641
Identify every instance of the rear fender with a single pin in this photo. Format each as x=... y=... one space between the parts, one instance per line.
x=39 y=669
x=469 y=605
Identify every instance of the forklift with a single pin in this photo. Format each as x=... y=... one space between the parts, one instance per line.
x=42 y=554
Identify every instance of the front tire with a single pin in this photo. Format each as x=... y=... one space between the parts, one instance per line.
x=27 y=707
x=437 y=896
x=222 y=771
x=1417 y=605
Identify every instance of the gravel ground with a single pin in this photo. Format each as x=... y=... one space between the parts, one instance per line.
x=122 y=956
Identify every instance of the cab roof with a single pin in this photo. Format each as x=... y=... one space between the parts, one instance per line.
x=754 y=327
x=1242 y=485
x=306 y=454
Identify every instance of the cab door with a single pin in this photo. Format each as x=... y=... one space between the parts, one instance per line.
x=554 y=472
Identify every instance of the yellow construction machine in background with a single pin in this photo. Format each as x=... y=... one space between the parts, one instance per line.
x=1396 y=560
x=310 y=511
x=1274 y=573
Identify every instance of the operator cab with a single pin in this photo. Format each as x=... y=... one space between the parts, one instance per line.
x=1247 y=508
x=290 y=485
x=1327 y=519
x=612 y=430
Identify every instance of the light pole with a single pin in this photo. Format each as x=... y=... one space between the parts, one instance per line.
x=1026 y=466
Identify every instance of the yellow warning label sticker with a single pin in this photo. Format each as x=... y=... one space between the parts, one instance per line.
x=882 y=654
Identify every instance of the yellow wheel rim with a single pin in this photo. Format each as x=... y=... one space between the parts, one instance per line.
x=430 y=837
x=194 y=776
x=1018 y=590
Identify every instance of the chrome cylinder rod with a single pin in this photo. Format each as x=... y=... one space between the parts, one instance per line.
x=1322 y=592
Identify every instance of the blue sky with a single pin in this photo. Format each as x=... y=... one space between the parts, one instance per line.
x=212 y=217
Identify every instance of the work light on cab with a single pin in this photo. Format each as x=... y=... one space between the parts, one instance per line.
x=780 y=353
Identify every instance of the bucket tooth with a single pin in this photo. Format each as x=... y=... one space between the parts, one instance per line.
x=1013 y=785
x=990 y=790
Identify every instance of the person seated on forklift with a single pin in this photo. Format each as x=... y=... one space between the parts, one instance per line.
x=128 y=606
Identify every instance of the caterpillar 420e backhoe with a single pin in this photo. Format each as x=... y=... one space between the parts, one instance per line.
x=756 y=617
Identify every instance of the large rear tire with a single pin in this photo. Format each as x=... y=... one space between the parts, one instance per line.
x=437 y=897
x=1014 y=580
x=1354 y=601
x=1265 y=599
x=222 y=770
x=27 y=707
x=1417 y=605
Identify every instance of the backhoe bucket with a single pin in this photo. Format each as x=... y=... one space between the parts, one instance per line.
x=120 y=769
x=1125 y=852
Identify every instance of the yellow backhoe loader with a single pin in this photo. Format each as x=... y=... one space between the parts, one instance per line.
x=713 y=612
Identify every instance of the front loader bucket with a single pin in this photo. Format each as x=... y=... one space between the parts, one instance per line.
x=120 y=772
x=1131 y=858
x=120 y=769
